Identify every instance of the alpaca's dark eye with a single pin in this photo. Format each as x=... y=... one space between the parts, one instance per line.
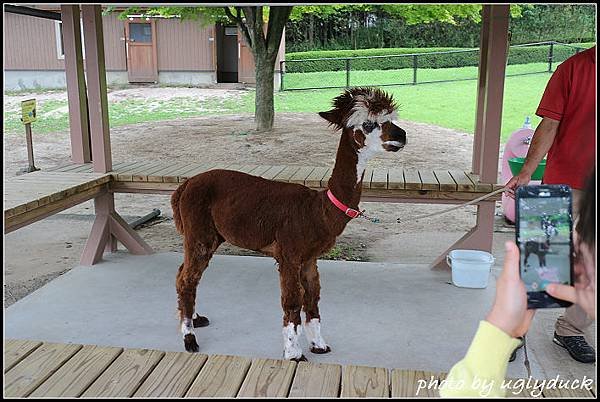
x=369 y=126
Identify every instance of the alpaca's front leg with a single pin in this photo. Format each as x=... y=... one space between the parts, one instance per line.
x=187 y=280
x=291 y=301
x=312 y=294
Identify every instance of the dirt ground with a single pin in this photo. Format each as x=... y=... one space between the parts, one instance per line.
x=40 y=252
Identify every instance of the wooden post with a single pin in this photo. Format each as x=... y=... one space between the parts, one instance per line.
x=497 y=53
x=76 y=92
x=494 y=52
x=481 y=82
x=97 y=94
x=29 y=139
x=108 y=226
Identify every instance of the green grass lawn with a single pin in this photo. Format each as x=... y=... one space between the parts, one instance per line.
x=447 y=104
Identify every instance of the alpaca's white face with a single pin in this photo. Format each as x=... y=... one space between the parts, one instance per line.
x=374 y=133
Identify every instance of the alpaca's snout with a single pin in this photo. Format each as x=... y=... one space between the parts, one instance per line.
x=392 y=146
x=397 y=134
x=396 y=138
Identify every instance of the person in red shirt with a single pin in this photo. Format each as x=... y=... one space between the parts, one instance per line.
x=567 y=133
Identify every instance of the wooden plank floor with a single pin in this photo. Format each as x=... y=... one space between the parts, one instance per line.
x=45 y=192
x=44 y=369
x=378 y=181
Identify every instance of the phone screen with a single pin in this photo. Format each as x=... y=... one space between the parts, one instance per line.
x=545 y=241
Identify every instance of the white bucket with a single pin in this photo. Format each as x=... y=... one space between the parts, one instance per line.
x=470 y=268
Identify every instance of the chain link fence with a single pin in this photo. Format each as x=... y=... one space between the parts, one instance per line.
x=416 y=68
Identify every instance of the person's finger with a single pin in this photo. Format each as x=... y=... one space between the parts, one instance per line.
x=511 y=262
x=563 y=292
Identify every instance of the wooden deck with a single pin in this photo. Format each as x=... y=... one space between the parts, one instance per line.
x=33 y=196
x=42 y=369
x=398 y=183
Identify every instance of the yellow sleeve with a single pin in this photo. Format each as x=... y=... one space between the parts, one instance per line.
x=483 y=369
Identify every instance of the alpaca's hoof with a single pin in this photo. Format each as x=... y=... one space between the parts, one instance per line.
x=320 y=351
x=190 y=343
x=300 y=359
x=200 y=321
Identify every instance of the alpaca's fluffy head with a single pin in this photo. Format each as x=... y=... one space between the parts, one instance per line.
x=370 y=115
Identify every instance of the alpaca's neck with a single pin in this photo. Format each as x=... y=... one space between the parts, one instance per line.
x=343 y=183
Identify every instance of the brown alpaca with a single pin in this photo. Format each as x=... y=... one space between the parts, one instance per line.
x=290 y=222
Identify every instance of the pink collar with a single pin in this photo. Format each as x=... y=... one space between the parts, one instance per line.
x=352 y=213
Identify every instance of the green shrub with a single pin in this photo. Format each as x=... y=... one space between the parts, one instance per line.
x=374 y=61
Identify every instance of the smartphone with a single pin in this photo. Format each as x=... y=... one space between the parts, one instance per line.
x=544 y=229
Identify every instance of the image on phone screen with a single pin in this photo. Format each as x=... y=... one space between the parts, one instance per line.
x=544 y=239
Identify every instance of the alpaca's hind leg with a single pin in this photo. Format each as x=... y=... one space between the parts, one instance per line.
x=312 y=290
x=188 y=277
x=291 y=302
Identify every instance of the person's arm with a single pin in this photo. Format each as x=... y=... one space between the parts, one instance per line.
x=482 y=371
x=551 y=109
x=542 y=141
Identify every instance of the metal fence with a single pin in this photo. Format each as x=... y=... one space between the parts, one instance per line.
x=416 y=68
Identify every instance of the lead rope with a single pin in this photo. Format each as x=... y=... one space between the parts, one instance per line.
x=475 y=201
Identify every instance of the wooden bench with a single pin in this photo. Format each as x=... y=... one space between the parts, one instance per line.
x=43 y=369
x=34 y=196
x=379 y=184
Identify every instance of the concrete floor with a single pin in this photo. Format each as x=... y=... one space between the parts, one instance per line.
x=373 y=314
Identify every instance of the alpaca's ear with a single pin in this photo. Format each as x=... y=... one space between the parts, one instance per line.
x=331 y=117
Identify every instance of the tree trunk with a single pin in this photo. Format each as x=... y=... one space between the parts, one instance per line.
x=264 y=105
x=311 y=30
x=264 y=46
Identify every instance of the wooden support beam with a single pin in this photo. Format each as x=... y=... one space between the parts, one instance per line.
x=76 y=91
x=481 y=85
x=32 y=12
x=496 y=57
x=492 y=69
x=107 y=228
x=97 y=93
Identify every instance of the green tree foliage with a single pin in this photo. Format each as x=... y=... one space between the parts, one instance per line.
x=414 y=25
x=559 y=22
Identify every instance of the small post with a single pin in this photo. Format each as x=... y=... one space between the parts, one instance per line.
x=28 y=116
x=347 y=73
x=281 y=75
x=550 y=56
x=31 y=167
x=414 y=69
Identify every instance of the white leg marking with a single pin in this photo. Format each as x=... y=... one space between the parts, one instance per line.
x=291 y=342
x=313 y=334
x=187 y=327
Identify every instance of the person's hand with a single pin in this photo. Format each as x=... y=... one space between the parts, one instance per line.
x=584 y=291
x=509 y=312
x=522 y=179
